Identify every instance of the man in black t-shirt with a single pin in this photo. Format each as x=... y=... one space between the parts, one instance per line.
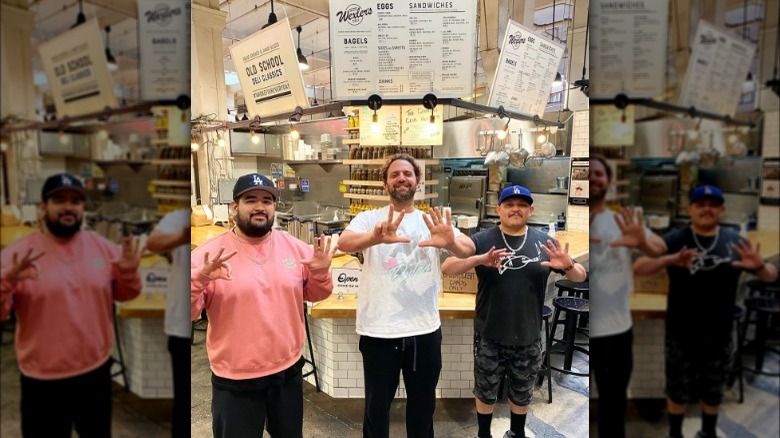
x=512 y=262
x=704 y=262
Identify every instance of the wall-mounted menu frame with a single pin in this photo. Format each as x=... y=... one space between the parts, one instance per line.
x=526 y=70
x=628 y=46
x=403 y=49
x=578 y=183
x=716 y=71
x=267 y=67
x=77 y=71
x=164 y=43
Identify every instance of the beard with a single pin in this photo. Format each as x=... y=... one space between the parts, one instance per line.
x=63 y=230
x=401 y=198
x=245 y=224
x=597 y=193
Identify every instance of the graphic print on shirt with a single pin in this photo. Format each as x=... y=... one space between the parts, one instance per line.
x=523 y=260
x=708 y=262
x=289 y=263
x=403 y=266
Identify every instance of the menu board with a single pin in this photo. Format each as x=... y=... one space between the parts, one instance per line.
x=716 y=70
x=526 y=70
x=628 y=47
x=386 y=132
x=416 y=128
x=578 y=184
x=611 y=126
x=164 y=41
x=403 y=49
x=77 y=71
x=267 y=67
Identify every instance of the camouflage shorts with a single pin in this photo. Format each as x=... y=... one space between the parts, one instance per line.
x=696 y=373
x=519 y=363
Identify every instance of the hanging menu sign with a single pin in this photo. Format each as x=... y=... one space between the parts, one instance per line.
x=611 y=126
x=268 y=71
x=164 y=42
x=416 y=127
x=717 y=68
x=403 y=48
x=387 y=130
x=628 y=47
x=526 y=71
x=77 y=71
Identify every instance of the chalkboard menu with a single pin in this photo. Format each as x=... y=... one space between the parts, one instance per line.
x=416 y=129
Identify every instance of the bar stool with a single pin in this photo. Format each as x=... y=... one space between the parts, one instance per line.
x=546 y=370
x=573 y=288
x=573 y=307
x=311 y=350
x=121 y=361
x=736 y=369
x=766 y=311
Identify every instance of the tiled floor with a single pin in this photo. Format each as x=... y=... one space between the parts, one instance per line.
x=132 y=417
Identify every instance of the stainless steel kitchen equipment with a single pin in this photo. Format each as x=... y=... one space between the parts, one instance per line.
x=658 y=194
x=467 y=192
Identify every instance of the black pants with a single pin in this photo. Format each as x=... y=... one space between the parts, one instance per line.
x=239 y=409
x=611 y=360
x=179 y=348
x=419 y=359
x=50 y=408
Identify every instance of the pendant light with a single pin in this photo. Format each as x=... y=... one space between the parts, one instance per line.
x=558 y=79
x=112 y=64
x=80 y=18
x=749 y=85
x=302 y=62
x=271 y=17
x=584 y=84
x=774 y=83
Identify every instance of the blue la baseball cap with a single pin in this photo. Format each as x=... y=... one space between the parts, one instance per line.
x=60 y=182
x=707 y=191
x=253 y=181
x=519 y=191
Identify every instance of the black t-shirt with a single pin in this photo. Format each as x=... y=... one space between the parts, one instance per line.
x=510 y=299
x=701 y=299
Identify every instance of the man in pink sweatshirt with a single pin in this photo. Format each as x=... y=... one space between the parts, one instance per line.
x=61 y=282
x=255 y=308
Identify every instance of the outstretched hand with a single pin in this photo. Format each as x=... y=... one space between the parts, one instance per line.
x=217 y=268
x=559 y=258
x=684 y=257
x=130 y=257
x=749 y=259
x=442 y=234
x=323 y=253
x=632 y=228
x=24 y=269
x=492 y=258
x=386 y=232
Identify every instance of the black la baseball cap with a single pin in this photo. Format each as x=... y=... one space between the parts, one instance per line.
x=254 y=181
x=61 y=182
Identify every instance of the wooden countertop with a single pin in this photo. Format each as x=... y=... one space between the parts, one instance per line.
x=451 y=306
x=9 y=235
x=201 y=235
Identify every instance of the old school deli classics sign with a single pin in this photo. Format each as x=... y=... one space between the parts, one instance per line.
x=77 y=71
x=267 y=67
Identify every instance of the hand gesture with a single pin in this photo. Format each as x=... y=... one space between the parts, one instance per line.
x=385 y=232
x=442 y=234
x=684 y=258
x=322 y=254
x=492 y=258
x=26 y=269
x=631 y=227
x=559 y=259
x=130 y=257
x=217 y=268
x=749 y=259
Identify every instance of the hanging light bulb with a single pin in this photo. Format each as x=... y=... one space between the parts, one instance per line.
x=542 y=137
x=503 y=132
x=558 y=80
x=194 y=143
x=294 y=134
x=64 y=138
x=271 y=17
x=255 y=137
x=553 y=129
x=220 y=140
x=375 y=126
x=693 y=134
x=3 y=144
x=303 y=64
x=80 y=18
x=112 y=64
x=749 y=85
x=102 y=133
x=733 y=137
x=29 y=140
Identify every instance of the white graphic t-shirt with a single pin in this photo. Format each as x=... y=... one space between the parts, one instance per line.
x=398 y=294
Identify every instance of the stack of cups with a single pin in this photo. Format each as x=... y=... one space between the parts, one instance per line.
x=326 y=143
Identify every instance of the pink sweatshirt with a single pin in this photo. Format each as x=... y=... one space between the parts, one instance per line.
x=65 y=326
x=256 y=319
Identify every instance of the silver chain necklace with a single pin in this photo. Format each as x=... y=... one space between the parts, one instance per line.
x=252 y=259
x=514 y=250
x=714 y=242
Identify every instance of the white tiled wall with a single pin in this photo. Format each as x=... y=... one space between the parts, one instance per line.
x=340 y=364
x=577 y=218
x=580 y=140
x=771 y=145
x=647 y=377
x=146 y=357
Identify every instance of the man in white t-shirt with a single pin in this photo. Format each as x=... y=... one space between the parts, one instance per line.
x=612 y=237
x=397 y=312
x=172 y=235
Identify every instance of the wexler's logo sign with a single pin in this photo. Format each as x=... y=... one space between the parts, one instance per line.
x=516 y=39
x=353 y=14
x=162 y=14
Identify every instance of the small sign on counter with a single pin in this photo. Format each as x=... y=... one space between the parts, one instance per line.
x=345 y=280
x=155 y=280
x=462 y=283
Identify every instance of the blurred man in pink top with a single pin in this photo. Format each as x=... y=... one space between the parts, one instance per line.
x=61 y=282
x=255 y=309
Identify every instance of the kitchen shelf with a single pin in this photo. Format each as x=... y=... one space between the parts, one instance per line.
x=135 y=165
x=381 y=161
x=350 y=141
x=382 y=197
x=356 y=128
x=170 y=183
x=171 y=162
x=159 y=141
x=622 y=182
x=313 y=162
x=355 y=182
x=171 y=196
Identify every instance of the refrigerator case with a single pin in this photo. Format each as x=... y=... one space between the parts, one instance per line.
x=467 y=195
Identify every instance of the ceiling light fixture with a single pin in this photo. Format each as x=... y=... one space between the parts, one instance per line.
x=374 y=103
x=271 y=17
x=112 y=64
x=80 y=18
x=302 y=62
